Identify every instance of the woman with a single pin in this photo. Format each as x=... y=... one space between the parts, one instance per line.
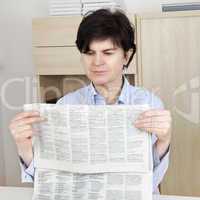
x=106 y=41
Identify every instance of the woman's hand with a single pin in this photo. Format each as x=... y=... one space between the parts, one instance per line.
x=157 y=121
x=22 y=132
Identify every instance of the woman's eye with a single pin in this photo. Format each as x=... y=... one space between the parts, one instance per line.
x=89 y=53
x=108 y=53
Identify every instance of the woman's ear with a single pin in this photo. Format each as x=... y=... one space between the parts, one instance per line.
x=127 y=55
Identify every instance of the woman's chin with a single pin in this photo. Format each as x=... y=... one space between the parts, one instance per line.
x=99 y=81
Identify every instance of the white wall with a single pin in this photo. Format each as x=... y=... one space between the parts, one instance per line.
x=141 y=6
x=16 y=62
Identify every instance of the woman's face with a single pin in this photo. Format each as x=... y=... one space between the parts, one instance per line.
x=104 y=62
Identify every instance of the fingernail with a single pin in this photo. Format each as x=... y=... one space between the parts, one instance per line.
x=43 y=118
x=140 y=117
x=136 y=125
x=36 y=132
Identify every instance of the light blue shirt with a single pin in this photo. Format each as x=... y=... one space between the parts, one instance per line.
x=129 y=95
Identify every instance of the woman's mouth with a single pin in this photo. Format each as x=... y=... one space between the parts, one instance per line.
x=99 y=72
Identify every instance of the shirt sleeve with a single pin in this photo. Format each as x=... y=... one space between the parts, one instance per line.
x=27 y=172
x=160 y=166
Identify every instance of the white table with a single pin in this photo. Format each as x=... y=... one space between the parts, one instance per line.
x=13 y=193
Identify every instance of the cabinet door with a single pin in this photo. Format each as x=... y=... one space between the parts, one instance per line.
x=57 y=61
x=169 y=63
x=55 y=31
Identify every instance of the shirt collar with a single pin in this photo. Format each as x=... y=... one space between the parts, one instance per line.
x=92 y=89
x=123 y=97
x=124 y=94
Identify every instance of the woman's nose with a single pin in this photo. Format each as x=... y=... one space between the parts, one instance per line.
x=98 y=59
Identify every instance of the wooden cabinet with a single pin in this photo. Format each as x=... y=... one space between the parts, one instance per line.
x=57 y=60
x=169 y=63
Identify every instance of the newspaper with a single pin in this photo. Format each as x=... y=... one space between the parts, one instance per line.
x=61 y=185
x=91 y=152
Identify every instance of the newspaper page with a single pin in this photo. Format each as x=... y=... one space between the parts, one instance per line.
x=62 y=185
x=91 y=139
x=91 y=152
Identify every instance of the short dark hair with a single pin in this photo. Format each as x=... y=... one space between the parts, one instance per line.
x=106 y=24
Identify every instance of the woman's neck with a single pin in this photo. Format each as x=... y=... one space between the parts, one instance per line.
x=110 y=91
